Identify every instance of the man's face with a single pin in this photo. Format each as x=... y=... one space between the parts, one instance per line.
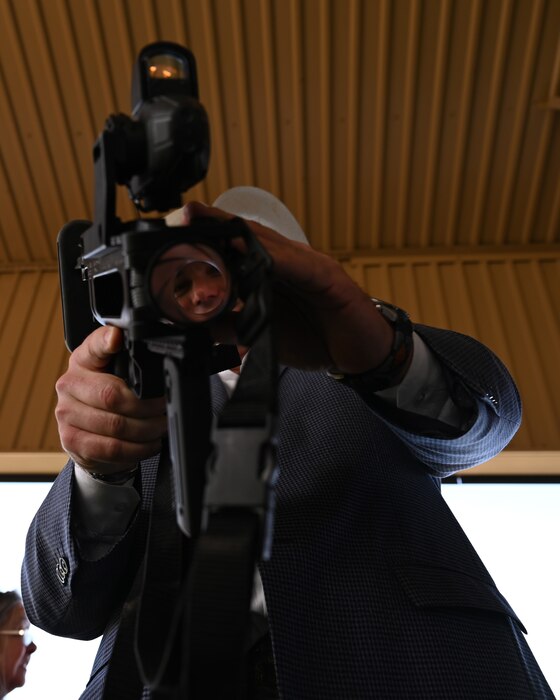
x=190 y=283
x=200 y=290
x=14 y=654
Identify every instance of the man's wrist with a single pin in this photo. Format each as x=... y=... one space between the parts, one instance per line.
x=392 y=370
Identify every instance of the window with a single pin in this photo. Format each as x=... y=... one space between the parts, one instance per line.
x=60 y=667
x=514 y=527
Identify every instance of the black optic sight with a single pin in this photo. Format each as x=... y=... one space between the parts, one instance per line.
x=166 y=145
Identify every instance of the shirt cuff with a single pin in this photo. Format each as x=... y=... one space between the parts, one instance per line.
x=424 y=389
x=103 y=510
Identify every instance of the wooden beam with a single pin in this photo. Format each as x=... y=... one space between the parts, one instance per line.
x=524 y=463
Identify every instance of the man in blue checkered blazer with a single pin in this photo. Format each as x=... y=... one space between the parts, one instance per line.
x=373 y=590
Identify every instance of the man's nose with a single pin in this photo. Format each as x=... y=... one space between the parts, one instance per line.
x=201 y=293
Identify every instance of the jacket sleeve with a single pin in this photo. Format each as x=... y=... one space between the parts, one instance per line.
x=481 y=384
x=63 y=593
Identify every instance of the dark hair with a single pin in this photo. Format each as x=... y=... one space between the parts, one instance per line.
x=7 y=601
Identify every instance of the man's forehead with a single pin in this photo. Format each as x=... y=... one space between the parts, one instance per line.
x=17 y=615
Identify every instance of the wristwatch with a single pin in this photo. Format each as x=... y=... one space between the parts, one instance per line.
x=390 y=372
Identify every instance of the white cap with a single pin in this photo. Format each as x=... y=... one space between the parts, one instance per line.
x=264 y=208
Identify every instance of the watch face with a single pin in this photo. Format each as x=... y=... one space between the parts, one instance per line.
x=388 y=311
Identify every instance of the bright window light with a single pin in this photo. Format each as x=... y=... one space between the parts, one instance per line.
x=514 y=528
x=60 y=667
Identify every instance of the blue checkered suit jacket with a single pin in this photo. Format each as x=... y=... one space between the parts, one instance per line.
x=373 y=590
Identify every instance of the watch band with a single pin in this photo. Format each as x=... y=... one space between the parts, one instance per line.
x=390 y=372
x=116 y=478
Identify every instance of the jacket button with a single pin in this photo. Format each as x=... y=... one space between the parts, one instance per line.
x=62 y=570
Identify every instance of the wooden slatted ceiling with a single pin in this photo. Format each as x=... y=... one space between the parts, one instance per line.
x=383 y=124
x=507 y=303
x=33 y=356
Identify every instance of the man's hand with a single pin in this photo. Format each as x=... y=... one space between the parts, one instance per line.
x=103 y=426
x=322 y=318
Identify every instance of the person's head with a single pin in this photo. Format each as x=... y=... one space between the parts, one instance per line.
x=16 y=645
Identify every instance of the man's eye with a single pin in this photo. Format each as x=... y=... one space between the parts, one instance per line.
x=182 y=288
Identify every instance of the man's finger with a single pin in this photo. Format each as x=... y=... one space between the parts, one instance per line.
x=121 y=427
x=107 y=393
x=91 y=450
x=98 y=348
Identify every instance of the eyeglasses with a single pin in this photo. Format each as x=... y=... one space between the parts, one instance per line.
x=24 y=633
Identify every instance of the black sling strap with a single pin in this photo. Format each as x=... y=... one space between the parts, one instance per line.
x=237 y=518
